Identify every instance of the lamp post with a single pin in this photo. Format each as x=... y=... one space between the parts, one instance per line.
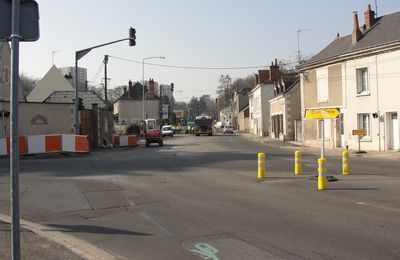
x=144 y=85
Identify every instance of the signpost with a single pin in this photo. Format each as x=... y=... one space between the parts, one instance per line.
x=322 y=113
x=19 y=21
x=360 y=133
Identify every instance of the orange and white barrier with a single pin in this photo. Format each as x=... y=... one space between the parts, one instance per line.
x=125 y=140
x=75 y=143
x=5 y=145
x=44 y=144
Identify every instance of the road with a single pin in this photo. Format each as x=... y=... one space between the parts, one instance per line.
x=198 y=197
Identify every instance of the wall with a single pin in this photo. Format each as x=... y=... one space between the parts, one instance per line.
x=384 y=90
x=42 y=118
x=309 y=100
x=267 y=92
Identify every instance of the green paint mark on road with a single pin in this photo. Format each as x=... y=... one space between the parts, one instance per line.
x=206 y=251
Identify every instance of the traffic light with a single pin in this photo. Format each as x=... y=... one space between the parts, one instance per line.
x=132 y=36
x=80 y=104
x=172 y=86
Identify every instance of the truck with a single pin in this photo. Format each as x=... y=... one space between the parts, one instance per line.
x=152 y=133
x=203 y=125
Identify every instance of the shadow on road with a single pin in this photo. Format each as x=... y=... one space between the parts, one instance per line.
x=94 y=230
x=365 y=189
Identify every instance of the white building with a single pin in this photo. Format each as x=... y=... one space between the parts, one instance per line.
x=259 y=103
x=359 y=74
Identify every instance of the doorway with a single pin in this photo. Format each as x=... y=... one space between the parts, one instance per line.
x=394 y=132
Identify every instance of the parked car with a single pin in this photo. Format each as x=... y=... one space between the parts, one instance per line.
x=166 y=130
x=228 y=129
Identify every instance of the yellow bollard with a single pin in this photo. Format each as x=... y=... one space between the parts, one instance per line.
x=261 y=166
x=322 y=174
x=297 y=162
x=345 y=161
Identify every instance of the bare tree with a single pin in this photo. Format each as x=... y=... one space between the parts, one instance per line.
x=27 y=83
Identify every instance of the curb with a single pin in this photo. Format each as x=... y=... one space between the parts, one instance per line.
x=76 y=245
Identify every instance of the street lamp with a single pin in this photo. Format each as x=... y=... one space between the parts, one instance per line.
x=144 y=85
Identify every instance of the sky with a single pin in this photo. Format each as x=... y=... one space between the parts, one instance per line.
x=213 y=34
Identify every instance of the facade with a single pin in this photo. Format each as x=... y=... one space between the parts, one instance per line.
x=128 y=109
x=226 y=116
x=259 y=103
x=5 y=73
x=243 y=120
x=286 y=111
x=359 y=74
x=69 y=74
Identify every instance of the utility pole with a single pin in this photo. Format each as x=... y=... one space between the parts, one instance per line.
x=105 y=77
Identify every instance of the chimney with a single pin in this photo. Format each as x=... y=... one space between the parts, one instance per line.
x=130 y=89
x=257 y=79
x=356 y=35
x=151 y=88
x=263 y=75
x=369 y=17
x=274 y=72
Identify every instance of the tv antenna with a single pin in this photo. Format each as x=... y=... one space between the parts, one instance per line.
x=299 y=31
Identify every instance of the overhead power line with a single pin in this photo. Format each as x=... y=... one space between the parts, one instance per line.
x=192 y=67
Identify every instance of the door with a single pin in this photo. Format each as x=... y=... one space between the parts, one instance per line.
x=394 y=132
x=341 y=126
x=297 y=125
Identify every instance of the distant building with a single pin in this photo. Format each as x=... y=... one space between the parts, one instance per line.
x=69 y=74
x=166 y=91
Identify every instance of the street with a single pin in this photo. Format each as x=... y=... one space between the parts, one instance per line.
x=198 y=197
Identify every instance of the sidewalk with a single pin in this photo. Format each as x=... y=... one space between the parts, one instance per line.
x=292 y=145
x=33 y=246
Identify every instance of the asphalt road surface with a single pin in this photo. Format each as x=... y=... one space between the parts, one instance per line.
x=198 y=197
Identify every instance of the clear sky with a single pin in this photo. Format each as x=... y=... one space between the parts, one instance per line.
x=206 y=33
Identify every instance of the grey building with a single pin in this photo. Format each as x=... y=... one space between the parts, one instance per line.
x=69 y=74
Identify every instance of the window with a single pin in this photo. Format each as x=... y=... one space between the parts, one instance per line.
x=322 y=85
x=363 y=123
x=362 y=81
x=6 y=75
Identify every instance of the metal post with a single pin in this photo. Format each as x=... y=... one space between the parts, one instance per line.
x=14 y=160
x=77 y=126
x=105 y=77
x=143 y=92
x=322 y=138
x=2 y=120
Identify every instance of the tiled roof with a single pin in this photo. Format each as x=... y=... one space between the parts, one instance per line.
x=386 y=30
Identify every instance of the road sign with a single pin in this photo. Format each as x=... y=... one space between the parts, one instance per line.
x=360 y=132
x=29 y=20
x=322 y=113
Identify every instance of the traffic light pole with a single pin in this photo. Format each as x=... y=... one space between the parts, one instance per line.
x=78 y=56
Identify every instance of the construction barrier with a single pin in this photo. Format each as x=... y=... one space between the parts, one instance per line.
x=75 y=143
x=5 y=145
x=44 y=144
x=125 y=140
